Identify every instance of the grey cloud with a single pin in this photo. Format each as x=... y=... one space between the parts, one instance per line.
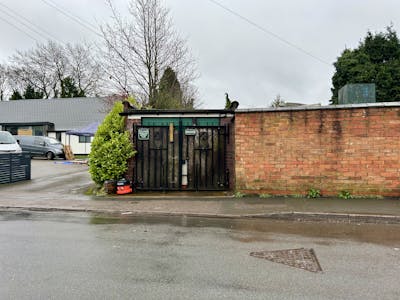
x=233 y=55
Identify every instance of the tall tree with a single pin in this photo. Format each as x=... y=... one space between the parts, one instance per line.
x=376 y=60
x=139 y=48
x=169 y=94
x=30 y=68
x=46 y=66
x=84 y=68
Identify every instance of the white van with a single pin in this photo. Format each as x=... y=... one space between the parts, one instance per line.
x=8 y=144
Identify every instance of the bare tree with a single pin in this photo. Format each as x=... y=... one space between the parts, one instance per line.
x=3 y=82
x=43 y=68
x=138 y=50
x=84 y=67
x=46 y=67
x=55 y=62
x=28 y=68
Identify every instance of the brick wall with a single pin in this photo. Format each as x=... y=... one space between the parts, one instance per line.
x=290 y=151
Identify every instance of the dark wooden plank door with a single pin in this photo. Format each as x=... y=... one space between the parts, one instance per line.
x=160 y=158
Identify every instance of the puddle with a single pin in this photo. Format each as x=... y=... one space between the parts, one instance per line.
x=243 y=230
x=249 y=231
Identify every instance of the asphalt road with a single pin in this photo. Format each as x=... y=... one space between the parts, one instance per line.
x=78 y=256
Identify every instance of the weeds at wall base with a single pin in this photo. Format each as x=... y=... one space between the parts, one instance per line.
x=264 y=196
x=345 y=195
x=239 y=195
x=313 y=193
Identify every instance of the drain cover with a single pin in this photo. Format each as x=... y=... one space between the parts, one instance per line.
x=299 y=258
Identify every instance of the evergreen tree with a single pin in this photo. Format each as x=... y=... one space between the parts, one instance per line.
x=111 y=148
x=16 y=95
x=376 y=60
x=30 y=93
x=169 y=95
x=69 y=89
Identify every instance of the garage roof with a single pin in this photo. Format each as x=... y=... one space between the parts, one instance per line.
x=65 y=113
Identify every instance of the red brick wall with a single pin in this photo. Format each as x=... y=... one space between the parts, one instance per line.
x=289 y=152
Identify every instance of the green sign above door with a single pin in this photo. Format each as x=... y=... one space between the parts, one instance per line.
x=160 y=121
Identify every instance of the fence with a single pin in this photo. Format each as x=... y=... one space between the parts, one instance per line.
x=14 y=167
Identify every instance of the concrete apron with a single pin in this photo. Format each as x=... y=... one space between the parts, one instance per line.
x=278 y=216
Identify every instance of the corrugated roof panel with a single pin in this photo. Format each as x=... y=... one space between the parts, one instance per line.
x=66 y=113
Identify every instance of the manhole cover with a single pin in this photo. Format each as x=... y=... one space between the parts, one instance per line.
x=299 y=258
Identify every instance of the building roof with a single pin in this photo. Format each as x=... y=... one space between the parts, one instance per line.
x=65 y=113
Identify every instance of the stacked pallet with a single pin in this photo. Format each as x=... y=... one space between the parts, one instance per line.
x=69 y=155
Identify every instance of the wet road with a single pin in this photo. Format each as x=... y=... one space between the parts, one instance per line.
x=67 y=256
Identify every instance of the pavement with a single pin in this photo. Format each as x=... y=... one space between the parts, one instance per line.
x=200 y=205
x=57 y=187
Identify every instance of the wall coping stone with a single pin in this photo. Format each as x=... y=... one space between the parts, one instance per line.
x=315 y=107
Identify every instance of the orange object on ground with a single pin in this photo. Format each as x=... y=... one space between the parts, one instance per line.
x=125 y=189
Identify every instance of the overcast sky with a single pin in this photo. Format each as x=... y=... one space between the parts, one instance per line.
x=232 y=55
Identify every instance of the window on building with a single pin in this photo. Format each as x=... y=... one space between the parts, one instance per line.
x=84 y=139
x=38 y=130
x=11 y=129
